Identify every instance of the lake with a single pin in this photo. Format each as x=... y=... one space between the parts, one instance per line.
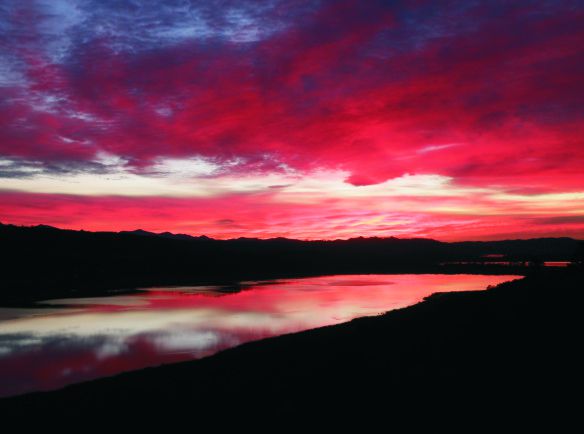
x=72 y=340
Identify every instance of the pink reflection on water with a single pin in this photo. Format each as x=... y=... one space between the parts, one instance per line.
x=557 y=263
x=81 y=339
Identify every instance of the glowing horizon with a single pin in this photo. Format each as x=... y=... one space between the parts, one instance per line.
x=306 y=120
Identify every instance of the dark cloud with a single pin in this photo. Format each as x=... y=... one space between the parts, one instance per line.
x=19 y=168
x=561 y=220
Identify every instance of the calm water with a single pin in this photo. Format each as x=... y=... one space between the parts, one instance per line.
x=72 y=340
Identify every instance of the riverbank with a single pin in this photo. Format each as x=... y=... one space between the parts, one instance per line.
x=46 y=263
x=19 y=297
x=464 y=347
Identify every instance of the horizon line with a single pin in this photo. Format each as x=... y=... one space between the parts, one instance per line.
x=135 y=231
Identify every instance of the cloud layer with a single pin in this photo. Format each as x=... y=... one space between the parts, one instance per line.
x=201 y=98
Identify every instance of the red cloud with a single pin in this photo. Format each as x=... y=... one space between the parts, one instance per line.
x=488 y=95
x=264 y=217
x=320 y=95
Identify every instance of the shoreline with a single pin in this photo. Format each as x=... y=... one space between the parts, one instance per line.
x=24 y=296
x=47 y=263
x=442 y=343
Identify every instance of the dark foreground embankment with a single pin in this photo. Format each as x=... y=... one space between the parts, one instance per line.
x=454 y=349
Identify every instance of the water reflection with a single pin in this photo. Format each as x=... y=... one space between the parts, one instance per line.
x=74 y=340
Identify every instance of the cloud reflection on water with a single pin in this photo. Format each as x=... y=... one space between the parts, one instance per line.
x=74 y=340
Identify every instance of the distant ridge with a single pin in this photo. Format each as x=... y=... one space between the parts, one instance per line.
x=141 y=232
x=45 y=262
x=170 y=235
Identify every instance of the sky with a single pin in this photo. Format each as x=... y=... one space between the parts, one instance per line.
x=453 y=120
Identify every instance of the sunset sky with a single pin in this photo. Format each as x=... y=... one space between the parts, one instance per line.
x=306 y=119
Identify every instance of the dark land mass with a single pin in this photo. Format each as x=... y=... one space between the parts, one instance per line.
x=456 y=352
x=43 y=262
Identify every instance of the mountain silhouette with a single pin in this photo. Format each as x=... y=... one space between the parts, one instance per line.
x=44 y=261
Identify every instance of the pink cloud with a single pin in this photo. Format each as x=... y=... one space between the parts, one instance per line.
x=263 y=216
x=492 y=92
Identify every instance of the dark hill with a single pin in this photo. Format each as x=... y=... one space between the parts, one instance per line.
x=47 y=262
